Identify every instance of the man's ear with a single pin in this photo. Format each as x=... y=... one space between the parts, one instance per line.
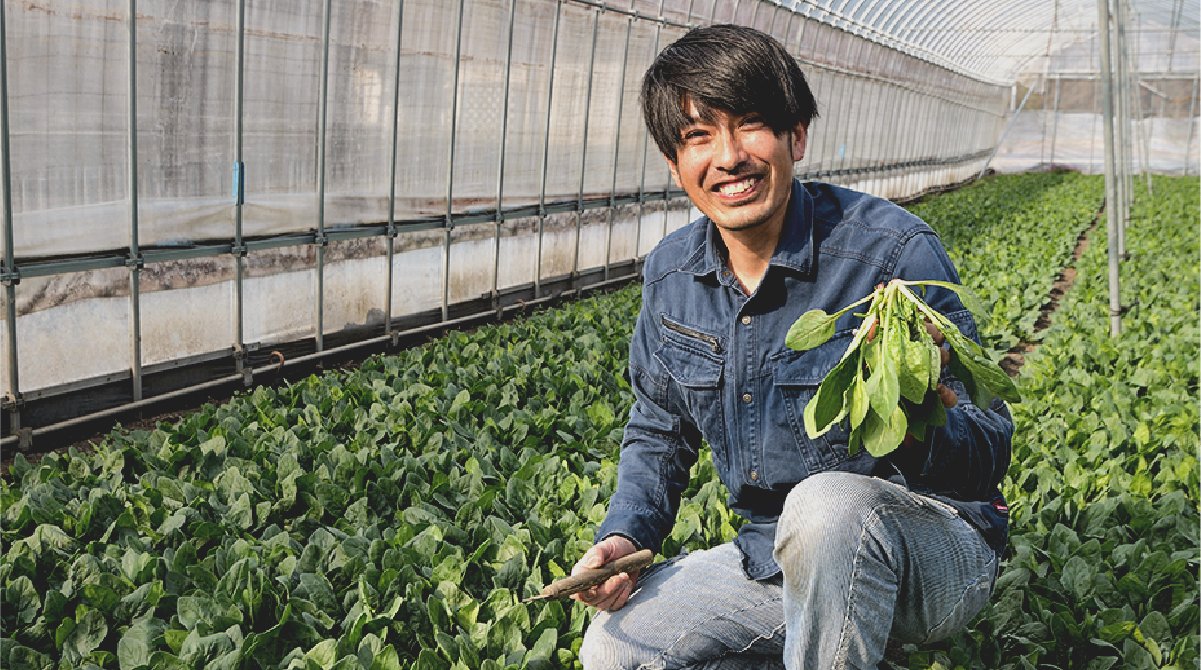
x=675 y=174
x=799 y=135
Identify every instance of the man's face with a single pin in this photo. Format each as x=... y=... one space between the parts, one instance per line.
x=735 y=169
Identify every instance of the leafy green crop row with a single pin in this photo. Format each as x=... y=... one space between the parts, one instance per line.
x=385 y=518
x=1008 y=236
x=1104 y=481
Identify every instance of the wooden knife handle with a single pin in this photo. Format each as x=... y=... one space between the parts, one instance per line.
x=589 y=578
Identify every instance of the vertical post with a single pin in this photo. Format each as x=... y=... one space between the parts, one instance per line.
x=1111 y=214
x=550 y=98
x=320 y=240
x=134 y=262
x=646 y=141
x=1192 y=109
x=1142 y=121
x=1142 y=126
x=1055 y=119
x=239 y=188
x=667 y=189
x=1042 y=147
x=1121 y=127
x=391 y=237
x=1092 y=139
x=500 y=167
x=13 y=398
x=579 y=204
x=621 y=91
x=450 y=166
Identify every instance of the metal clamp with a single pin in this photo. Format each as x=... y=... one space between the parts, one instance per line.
x=241 y=356
x=320 y=240
x=135 y=262
x=10 y=277
x=239 y=251
x=11 y=401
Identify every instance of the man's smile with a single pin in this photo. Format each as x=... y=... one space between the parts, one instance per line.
x=739 y=187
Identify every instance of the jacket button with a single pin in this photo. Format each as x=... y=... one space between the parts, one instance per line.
x=746 y=320
x=746 y=397
x=754 y=475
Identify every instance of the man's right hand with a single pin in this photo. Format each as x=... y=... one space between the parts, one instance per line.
x=613 y=594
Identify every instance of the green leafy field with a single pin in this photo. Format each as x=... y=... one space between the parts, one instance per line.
x=393 y=516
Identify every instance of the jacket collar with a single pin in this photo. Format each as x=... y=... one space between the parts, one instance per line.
x=795 y=250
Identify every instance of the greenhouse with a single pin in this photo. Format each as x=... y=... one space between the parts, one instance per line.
x=379 y=400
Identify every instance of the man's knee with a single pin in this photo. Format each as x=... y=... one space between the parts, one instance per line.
x=830 y=502
x=602 y=649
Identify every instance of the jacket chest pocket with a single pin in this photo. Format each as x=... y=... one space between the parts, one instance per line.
x=695 y=360
x=796 y=376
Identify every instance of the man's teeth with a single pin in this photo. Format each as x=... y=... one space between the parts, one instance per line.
x=734 y=188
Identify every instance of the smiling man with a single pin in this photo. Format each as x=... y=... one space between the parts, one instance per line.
x=837 y=552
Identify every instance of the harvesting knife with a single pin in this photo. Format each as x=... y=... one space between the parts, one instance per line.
x=589 y=578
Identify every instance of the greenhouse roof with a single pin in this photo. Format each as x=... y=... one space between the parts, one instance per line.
x=999 y=40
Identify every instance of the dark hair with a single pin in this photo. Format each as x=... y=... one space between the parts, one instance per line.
x=727 y=67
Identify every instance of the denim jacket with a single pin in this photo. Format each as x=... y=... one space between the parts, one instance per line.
x=709 y=362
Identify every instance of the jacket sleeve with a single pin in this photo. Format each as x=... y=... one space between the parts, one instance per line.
x=967 y=458
x=659 y=448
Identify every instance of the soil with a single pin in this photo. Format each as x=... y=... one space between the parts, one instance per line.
x=1015 y=358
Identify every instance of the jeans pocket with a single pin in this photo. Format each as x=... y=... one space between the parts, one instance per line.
x=973 y=599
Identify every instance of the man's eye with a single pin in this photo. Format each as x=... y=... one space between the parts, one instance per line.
x=694 y=135
x=753 y=120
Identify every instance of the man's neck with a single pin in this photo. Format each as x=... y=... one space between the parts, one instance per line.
x=750 y=251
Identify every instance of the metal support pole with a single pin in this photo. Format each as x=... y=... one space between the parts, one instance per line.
x=621 y=91
x=550 y=98
x=1015 y=118
x=1092 y=138
x=1120 y=127
x=579 y=211
x=450 y=166
x=1111 y=214
x=500 y=167
x=239 y=188
x=667 y=188
x=391 y=234
x=134 y=262
x=1192 y=109
x=645 y=142
x=13 y=397
x=320 y=240
x=1055 y=119
x=1142 y=126
x=1142 y=121
x=1042 y=147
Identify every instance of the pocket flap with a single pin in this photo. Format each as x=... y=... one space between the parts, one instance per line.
x=690 y=368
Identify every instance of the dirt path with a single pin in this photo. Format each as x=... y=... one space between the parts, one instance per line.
x=1015 y=358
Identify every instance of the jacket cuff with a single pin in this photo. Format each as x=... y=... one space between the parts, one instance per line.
x=633 y=526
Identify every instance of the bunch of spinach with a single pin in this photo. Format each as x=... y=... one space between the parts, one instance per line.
x=887 y=385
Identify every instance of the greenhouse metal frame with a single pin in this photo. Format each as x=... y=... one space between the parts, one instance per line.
x=906 y=107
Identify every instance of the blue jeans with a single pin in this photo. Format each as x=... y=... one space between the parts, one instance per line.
x=863 y=559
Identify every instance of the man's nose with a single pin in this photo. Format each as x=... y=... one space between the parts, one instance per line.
x=730 y=153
